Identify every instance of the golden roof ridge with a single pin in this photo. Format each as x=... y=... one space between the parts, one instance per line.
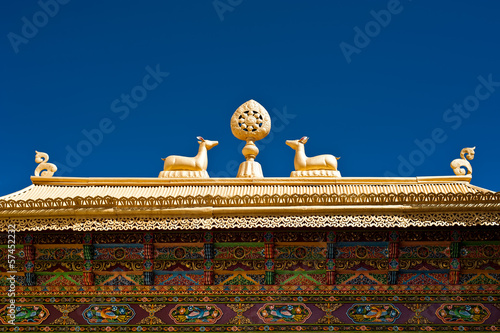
x=145 y=181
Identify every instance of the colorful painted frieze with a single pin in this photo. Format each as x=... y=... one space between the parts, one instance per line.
x=23 y=314
x=196 y=314
x=277 y=313
x=108 y=314
x=373 y=313
x=463 y=313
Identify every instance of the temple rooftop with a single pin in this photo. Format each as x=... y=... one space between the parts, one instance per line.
x=68 y=187
x=184 y=196
x=61 y=203
x=331 y=253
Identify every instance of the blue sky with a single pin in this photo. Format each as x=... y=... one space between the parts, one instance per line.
x=393 y=87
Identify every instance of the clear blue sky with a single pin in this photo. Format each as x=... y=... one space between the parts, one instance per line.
x=363 y=79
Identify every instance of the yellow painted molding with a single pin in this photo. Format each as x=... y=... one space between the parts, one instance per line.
x=98 y=181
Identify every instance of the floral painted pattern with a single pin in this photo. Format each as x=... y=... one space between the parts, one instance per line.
x=108 y=314
x=463 y=313
x=195 y=314
x=284 y=313
x=373 y=313
x=24 y=314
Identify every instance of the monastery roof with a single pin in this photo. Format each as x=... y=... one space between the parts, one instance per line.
x=59 y=203
x=46 y=189
x=185 y=197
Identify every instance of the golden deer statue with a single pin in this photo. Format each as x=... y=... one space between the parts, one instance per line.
x=196 y=163
x=304 y=163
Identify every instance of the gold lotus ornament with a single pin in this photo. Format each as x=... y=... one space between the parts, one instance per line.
x=250 y=122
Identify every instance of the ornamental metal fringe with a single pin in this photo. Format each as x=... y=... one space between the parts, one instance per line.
x=229 y=222
x=255 y=200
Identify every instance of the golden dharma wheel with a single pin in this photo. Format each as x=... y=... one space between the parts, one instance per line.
x=250 y=122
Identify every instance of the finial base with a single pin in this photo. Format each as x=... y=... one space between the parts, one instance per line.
x=250 y=151
x=250 y=169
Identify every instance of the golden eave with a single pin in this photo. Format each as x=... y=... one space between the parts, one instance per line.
x=64 y=203
x=60 y=193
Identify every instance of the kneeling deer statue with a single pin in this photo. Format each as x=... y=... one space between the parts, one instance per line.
x=304 y=163
x=197 y=163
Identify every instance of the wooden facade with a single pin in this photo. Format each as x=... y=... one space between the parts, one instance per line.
x=275 y=254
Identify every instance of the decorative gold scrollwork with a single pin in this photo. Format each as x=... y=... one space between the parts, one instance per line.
x=459 y=164
x=42 y=159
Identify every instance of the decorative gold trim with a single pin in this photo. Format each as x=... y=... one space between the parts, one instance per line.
x=183 y=174
x=316 y=173
x=228 y=222
x=252 y=201
x=96 y=181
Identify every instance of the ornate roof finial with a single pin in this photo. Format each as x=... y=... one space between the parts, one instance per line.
x=42 y=159
x=316 y=166
x=189 y=167
x=250 y=122
x=458 y=164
